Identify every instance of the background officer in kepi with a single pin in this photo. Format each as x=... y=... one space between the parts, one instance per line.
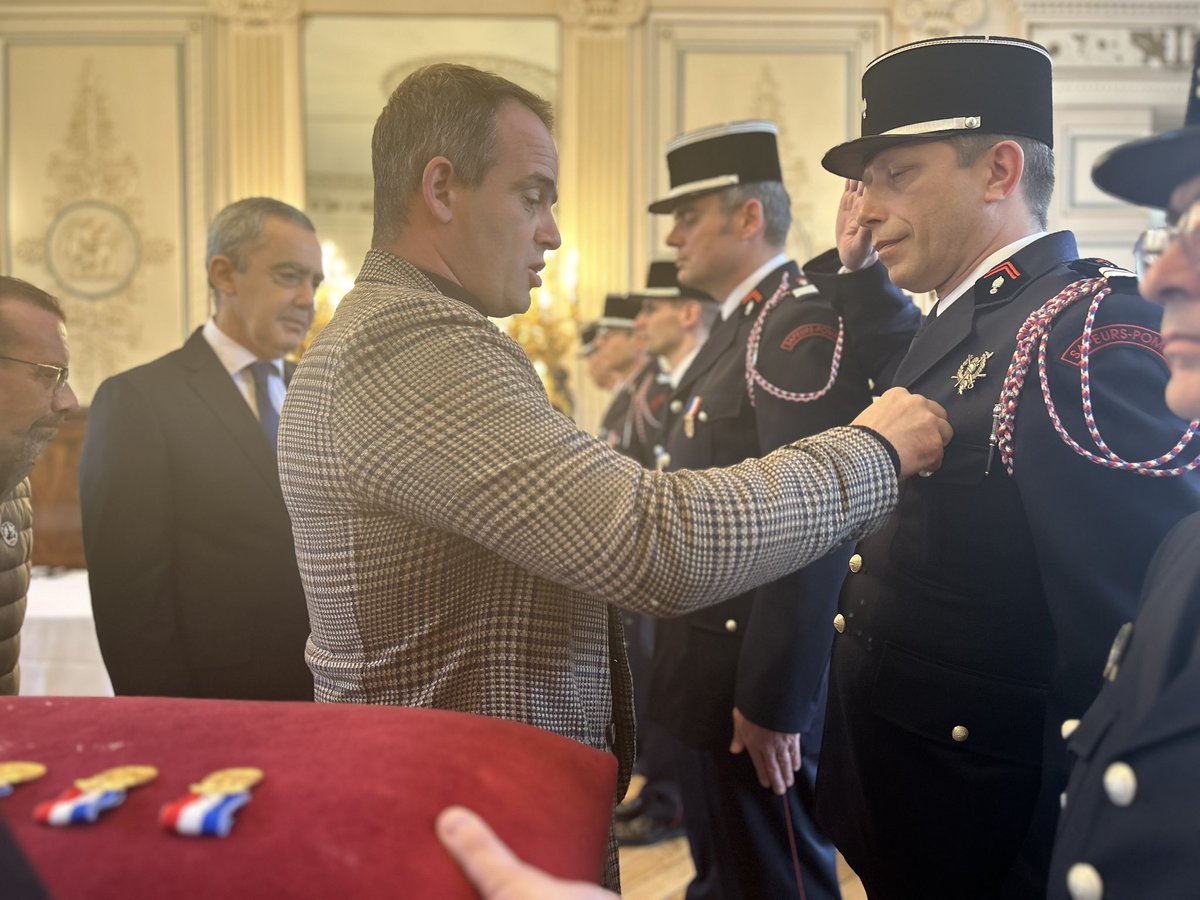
x=742 y=684
x=980 y=617
x=632 y=425
x=671 y=323
x=634 y=417
x=1128 y=826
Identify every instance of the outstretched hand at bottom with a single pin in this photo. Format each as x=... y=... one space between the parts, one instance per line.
x=493 y=869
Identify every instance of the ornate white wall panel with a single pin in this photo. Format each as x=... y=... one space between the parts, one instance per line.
x=800 y=70
x=103 y=180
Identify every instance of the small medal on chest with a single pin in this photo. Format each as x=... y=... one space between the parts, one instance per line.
x=693 y=414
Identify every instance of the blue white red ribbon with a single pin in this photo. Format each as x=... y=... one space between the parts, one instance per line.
x=203 y=815
x=76 y=806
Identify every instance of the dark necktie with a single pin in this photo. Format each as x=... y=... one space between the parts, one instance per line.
x=268 y=416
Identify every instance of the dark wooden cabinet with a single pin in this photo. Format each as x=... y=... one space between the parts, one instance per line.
x=57 y=526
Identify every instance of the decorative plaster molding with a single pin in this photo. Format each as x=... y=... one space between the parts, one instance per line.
x=932 y=18
x=1166 y=48
x=1110 y=11
x=256 y=13
x=94 y=243
x=602 y=13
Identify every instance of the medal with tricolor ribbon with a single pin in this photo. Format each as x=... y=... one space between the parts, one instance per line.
x=16 y=772
x=91 y=796
x=689 y=417
x=208 y=808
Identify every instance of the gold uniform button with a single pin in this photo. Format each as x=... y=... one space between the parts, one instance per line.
x=856 y=563
x=1120 y=783
x=1068 y=727
x=676 y=406
x=702 y=416
x=731 y=625
x=839 y=623
x=960 y=733
x=1084 y=882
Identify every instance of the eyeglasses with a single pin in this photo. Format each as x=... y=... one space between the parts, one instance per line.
x=1154 y=242
x=46 y=372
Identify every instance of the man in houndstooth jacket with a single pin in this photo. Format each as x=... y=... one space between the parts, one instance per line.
x=463 y=545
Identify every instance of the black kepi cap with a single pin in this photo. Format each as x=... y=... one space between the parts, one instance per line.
x=1146 y=171
x=941 y=87
x=720 y=156
x=587 y=338
x=662 y=283
x=619 y=311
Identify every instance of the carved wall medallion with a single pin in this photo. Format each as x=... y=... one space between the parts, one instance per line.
x=93 y=249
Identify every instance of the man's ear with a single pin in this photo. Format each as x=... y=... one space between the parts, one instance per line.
x=689 y=313
x=1006 y=165
x=221 y=271
x=438 y=188
x=749 y=219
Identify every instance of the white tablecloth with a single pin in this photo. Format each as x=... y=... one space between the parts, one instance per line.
x=59 y=652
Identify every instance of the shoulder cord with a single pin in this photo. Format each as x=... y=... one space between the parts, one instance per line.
x=753 y=376
x=1037 y=329
x=641 y=414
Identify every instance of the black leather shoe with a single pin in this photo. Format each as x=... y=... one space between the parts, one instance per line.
x=629 y=809
x=642 y=831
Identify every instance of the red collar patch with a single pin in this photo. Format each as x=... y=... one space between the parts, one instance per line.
x=1007 y=268
x=1113 y=336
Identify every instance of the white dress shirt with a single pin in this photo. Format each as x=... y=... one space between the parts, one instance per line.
x=234 y=357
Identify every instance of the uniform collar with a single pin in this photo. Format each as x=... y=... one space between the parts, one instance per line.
x=988 y=266
x=730 y=304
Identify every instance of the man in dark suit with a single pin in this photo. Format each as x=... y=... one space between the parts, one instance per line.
x=1128 y=828
x=742 y=684
x=980 y=617
x=193 y=574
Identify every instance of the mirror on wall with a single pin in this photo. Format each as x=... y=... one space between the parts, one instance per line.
x=351 y=66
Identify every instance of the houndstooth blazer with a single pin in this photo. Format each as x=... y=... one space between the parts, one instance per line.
x=462 y=544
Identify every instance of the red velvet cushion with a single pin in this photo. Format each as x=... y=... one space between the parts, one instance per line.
x=346 y=808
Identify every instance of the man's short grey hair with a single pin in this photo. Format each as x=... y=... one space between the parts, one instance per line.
x=238 y=227
x=17 y=289
x=776 y=204
x=440 y=110
x=1037 y=181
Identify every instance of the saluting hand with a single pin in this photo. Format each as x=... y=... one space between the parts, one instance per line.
x=854 y=245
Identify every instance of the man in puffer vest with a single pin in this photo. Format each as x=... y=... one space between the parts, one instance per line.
x=34 y=399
